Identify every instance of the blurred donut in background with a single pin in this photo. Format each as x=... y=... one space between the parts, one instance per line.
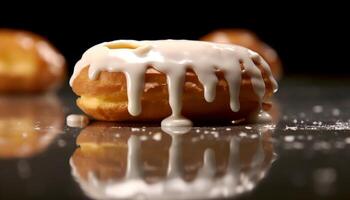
x=251 y=41
x=29 y=63
x=28 y=124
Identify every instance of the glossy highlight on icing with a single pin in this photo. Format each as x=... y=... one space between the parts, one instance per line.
x=173 y=58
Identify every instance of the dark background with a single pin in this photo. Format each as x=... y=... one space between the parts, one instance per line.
x=311 y=39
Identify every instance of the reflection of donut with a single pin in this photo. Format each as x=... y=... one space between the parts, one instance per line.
x=106 y=94
x=103 y=148
x=28 y=124
x=28 y=63
x=250 y=40
x=112 y=158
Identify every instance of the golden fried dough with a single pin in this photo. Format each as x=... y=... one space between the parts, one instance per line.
x=28 y=63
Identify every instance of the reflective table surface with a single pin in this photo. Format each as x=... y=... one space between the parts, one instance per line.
x=303 y=154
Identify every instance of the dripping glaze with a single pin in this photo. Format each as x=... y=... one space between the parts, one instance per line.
x=173 y=58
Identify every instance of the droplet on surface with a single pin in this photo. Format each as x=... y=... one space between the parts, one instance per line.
x=77 y=121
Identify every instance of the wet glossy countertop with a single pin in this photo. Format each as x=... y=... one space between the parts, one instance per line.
x=304 y=154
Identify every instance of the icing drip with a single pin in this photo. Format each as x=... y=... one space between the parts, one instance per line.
x=173 y=58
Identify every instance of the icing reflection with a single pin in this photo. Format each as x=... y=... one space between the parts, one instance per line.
x=114 y=162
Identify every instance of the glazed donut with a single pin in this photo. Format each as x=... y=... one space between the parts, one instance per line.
x=28 y=63
x=250 y=40
x=153 y=68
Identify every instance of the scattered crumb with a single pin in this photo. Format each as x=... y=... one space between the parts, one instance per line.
x=254 y=136
x=298 y=145
x=289 y=138
x=302 y=115
x=61 y=143
x=309 y=137
x=157 y=136
x=237 y=121
x=135 y=129
x=143 y=137
x=318 y=125
x=293 y=128
x=243 y=134
x=317 y=109
x=270 y=126
x=335 y=112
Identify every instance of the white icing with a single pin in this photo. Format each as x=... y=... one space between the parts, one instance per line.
x=172 y=130
x=75 y=120
x=173 y=58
